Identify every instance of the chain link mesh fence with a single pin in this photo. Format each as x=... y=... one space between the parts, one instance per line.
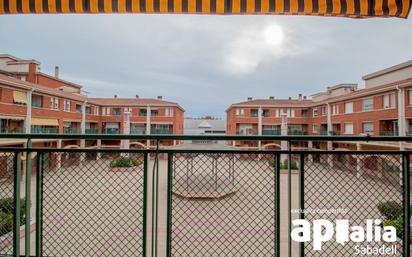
x=6 y=202
x=93 y=204
x=223 y=205
x=352 y=187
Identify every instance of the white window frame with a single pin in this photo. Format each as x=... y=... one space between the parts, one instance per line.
x=367 y=107
x=52 y=103
x=240 y=112
x=169 y=112
x=335 y=109
x=368 y=131
x=315 y=128
x=410 y=97
x=315 y=112
x=347 y=104
x=56 y=103
x=346 y=130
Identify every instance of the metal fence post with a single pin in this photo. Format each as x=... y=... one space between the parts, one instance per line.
x=39 y=199
x=28 y=200
x=16 y=207
x=289 y=198
x=169 y=204
x=145 y=195
x=302 y=197
x=277 y=221
x=407 y=203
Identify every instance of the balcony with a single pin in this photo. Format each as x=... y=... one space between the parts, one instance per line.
x=270 y=132
x=72 y=131
x=329 y=133
x=161 y=131
x=111 y=131
x=389 y=133
x=297 y=132
x=137 y=131
x=91 y=131
x=12 y=131
x=37 y=130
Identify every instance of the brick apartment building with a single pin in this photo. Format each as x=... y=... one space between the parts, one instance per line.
x=34 y=102
x=382 y=107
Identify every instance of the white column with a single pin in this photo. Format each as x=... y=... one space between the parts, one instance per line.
x=284 y=132
x=28 y=112
x=401 y=112
x=126 y=130
x=148 y=123
x=260 y=126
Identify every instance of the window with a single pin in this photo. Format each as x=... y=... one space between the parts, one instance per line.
x=37 y=101
x=66 y=105
x=265 y=113
x=240 y=112
x=96 y=110
x=254 y=112
x=277 y=113
x=142 y=112
x=315 y=112
x=349 y=128
x=315 y=128
x=367 y=104
x=367 y=128
x=88 y=110
x=54 y=103
x=335 y=109
x=388 y=101
x=128 y=110
x=349 y=107
x=154 y=113
x=304 y=113
x=51 y=103
x=78 y=108
x=410 y=97
x=324 y=111
x=116 y=111
x=169 y=112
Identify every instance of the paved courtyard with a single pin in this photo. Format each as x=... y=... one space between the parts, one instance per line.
x=91 y=210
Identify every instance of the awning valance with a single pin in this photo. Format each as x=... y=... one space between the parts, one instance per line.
x=344 y=8
x=19 y=97
x=44 y=122
x=6 y=117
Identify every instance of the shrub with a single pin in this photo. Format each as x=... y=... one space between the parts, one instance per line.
x=125 y=162
x=391 y=210
x=397 y=224
x=6 y=214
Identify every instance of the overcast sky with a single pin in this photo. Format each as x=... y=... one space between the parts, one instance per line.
x=205 y=63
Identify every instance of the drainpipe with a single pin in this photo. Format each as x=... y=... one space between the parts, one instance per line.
x=28 y=112
x=83 y=129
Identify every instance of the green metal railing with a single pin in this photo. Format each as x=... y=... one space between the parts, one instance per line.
x=158 y=131
x=270 y=132
x=71 y=130
x=98 y=202
x=91 y=131
x=112 y=131
x=11 y=130
x=389 y=133
x=42 y=130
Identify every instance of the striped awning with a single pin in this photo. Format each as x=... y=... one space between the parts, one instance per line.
x=44 y=122
x=19 y=97
x=343 y=8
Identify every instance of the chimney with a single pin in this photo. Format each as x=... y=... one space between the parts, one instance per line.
x=300 y=96
x=115 y=96
x=249 y=98
x=159 y=97
x=56 y=72
x=271 y=97
x=290 y=98
x=137 y=96
x=304 y=97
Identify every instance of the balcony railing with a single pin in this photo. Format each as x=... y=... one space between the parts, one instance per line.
x=72 y=131
x=111 y=131
x=91 y=131
x=107 y=201
x=159 y=131
x=37 y=130
x=137 y=131
x=12 y=131
x=270 y=132
x=297 y=132
x=389 y=133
